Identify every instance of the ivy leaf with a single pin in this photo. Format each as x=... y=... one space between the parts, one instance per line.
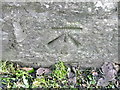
x=102 y=82
x=110 y=76
x=107 y=66
x=72 y=80
x=108 y=71
x=42 y=71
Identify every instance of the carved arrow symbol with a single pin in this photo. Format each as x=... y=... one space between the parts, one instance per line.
x=65 y=36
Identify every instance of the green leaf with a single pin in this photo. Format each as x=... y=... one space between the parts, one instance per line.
x=31 y=71
x=93 y=82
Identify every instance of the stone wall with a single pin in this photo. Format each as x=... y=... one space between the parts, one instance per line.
x=41 y=33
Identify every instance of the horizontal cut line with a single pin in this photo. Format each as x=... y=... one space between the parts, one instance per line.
x=66 y=28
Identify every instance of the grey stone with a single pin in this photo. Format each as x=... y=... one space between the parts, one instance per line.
x=38 y=33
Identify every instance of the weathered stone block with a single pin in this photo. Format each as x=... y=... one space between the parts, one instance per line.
x=43 y=33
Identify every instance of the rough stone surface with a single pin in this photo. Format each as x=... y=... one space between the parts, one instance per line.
x=41 y=33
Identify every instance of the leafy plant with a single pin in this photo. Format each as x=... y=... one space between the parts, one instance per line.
x=6 y=67
x=61 y=76
x=40 y=82
x=13 y=77
x=54 y=79
x=60 y=71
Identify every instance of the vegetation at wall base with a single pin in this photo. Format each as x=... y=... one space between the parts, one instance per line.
x=61 y=75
